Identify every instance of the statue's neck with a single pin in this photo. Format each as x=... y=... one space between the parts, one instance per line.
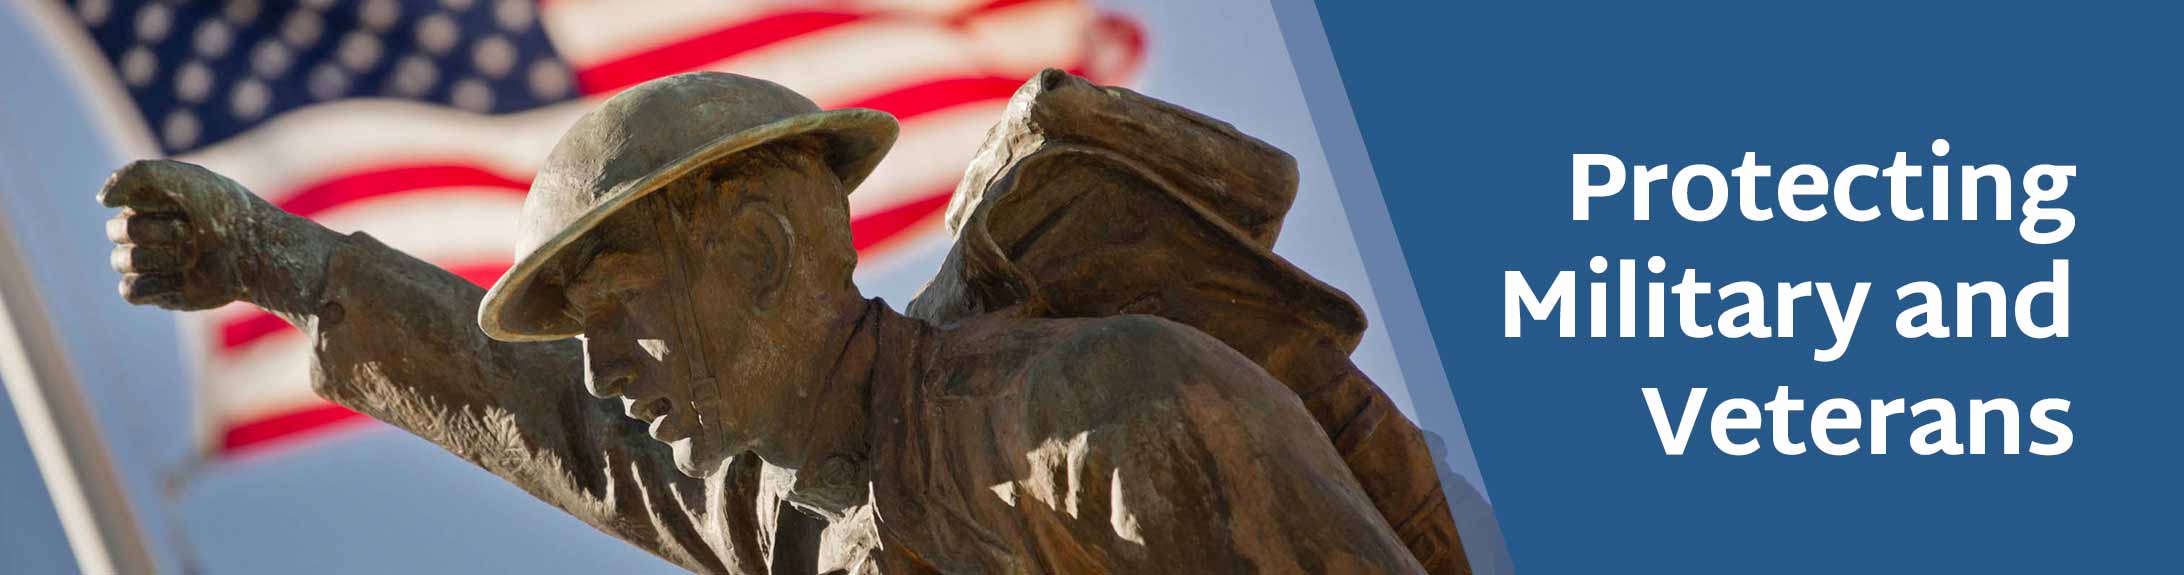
x=832 y=476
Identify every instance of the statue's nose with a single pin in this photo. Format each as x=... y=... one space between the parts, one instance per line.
x=609 y=366
x=608 y=380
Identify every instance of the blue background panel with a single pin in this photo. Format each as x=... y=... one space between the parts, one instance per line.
x=1471 y=111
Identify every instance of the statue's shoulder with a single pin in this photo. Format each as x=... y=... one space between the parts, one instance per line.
x=1088 y=372
x=1132 y=344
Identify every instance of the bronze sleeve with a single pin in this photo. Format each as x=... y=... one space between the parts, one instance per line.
x=395 y=338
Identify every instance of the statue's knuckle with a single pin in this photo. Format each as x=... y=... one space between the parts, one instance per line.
x=121 y=259
x=137 y=288
x=158 y=230
x=134 y=169
x=117 y=229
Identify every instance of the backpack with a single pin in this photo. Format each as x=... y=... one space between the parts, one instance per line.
x=1138 y=206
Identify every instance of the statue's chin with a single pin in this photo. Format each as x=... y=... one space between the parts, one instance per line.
x=694 y=460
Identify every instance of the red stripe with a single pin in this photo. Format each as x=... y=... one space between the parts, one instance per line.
x=332 y=192
x=871 y=229
x=250 y=327
x=919 y=99
x=690 y=53
x=693 y=52
x=265 y=431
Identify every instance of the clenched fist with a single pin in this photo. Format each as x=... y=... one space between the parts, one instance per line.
x=190 y=239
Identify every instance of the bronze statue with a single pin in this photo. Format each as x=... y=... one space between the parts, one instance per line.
x=1111 y=372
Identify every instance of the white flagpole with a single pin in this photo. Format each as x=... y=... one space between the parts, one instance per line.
x=64 y=438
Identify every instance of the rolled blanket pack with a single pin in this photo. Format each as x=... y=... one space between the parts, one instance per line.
x=1090 y=201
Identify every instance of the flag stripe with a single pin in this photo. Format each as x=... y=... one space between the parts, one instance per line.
x=920 y=99
x=263 y=432
x=421 y=175
x=693 y=52
x=588 y=32
x=872 y=229
x=311 y=199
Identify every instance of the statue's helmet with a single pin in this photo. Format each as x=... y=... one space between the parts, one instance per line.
x=636 y=143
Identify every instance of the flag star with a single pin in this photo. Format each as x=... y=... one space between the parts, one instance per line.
x=359 y=51
x=472 y=94
x=493 y=55
x=213 y=38
x=95 y=12
x=302 y=28
x=437 y=32
x=249 y=99
x=379 y=15
x=270 y=59
x=329 y=82
x=153 y=22
x=415 y=75
x=514 y=15
x=241 y=12
x=549 y=79
x=193 y=82
x=138 y=66
x=180 y=129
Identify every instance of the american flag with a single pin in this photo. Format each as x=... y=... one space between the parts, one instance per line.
x=421 y=122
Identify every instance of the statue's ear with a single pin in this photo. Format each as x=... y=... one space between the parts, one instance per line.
x=764 y=244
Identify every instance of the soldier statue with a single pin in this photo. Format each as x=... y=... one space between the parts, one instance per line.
x=1111 y=373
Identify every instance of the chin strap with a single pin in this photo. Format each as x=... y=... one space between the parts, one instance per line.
x=700 y=387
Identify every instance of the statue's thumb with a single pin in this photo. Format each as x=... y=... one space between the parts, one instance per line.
x=137 y=186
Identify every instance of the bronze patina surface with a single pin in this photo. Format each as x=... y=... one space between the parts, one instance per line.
x=1112 y=372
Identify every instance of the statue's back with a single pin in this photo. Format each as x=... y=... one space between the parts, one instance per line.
x=1089 y=201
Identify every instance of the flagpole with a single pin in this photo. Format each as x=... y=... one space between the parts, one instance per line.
x=79 y=476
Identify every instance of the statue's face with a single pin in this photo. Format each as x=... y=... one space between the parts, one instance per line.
x=634 y=351
x=703 y=321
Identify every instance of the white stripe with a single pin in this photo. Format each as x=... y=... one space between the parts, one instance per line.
x=929 y=157
x=304 y=146
x=1022 y=39
x=846 y=63
x=271 y=377
x=842 y=65
x=587 y=32
x=444 y=225
x=933 y=8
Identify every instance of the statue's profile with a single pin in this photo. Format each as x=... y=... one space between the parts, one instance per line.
x=1111 y=373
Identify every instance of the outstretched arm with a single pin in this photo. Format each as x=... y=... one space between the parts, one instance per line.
x=394 y=338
